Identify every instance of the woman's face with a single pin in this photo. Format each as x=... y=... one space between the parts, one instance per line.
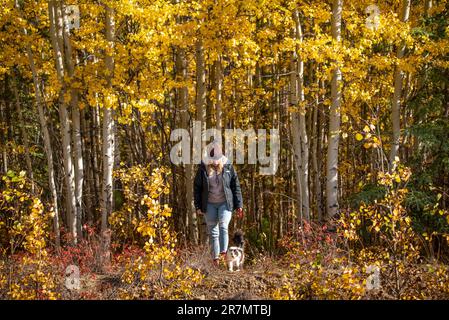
x=215 y=163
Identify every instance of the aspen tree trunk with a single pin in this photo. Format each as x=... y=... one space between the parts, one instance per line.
x=96 y=139
x=202 y=117
x=408 y=115
x=88 y=182
x=89 y=190
x=218 y=87
x=92 y=154
x=299 y=134
x=181 y=66
x=3 y=139
x=79 y=162
x=315 y=156
x=295 y=134
x=24 y=133
x=56 y=25
x=8 y=131
x=96 y=151
x=107 y=134
x=300 y=119
x=76 y=129
x=107 y=143
x=428 y=5
x=283 y=159
x=47 y=143
x=396 y=103
x=200 y=85
x=210 y=76
x=49 y=154
x=334 y=121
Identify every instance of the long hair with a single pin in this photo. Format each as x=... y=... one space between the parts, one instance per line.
x=218 y=169
x=215 y=153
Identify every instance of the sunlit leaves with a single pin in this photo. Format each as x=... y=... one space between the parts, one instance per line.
x=144 y=214
x=24 y=224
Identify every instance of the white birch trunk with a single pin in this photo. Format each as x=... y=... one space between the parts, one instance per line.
x=298 y=126
x=107 y=147
x=108 y=129
x=56 y=25
x=108 y=162
x=296 y=140
x=76 y=130
x=301 y=119
x=314 y=158
x=334 y=121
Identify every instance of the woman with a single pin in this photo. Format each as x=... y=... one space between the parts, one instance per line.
x=216 y=194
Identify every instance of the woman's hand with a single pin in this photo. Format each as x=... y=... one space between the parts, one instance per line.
x=199 y=212
x=239 y=212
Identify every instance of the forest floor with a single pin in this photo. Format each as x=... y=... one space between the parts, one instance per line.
x=256 y=281
x=258 y=278
x=264 y=276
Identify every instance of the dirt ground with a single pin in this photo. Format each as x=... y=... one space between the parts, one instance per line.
x=254 y=282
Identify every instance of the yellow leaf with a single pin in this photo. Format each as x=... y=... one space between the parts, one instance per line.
x=358 y=137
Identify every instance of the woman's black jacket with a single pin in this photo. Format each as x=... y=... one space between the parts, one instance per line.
x=231 y=186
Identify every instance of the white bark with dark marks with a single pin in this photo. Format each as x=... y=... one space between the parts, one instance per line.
x=108 y=128
x=334 y=121
x=56 y=35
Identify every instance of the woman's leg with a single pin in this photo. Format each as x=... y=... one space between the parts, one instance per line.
x=212 y=228
x=224 y=217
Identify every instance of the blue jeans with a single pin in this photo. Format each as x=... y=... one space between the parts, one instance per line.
x=218 y=217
